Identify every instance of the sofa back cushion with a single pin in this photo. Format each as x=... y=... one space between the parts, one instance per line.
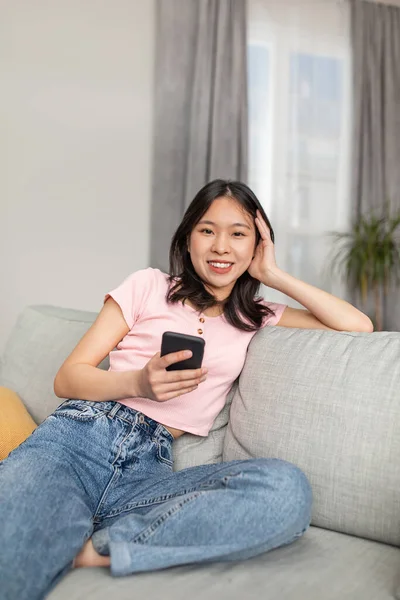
x=39 y=343
x=329 y=402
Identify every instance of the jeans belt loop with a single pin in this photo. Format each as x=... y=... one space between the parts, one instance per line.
x=114 y=410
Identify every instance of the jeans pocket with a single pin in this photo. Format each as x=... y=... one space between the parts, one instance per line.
x=164 y=452
x=80 y=410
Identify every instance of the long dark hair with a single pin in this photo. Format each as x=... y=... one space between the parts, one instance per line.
x=187 y=285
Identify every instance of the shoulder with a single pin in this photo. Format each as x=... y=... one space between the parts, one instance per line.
x=140 y=284
x=137 y=291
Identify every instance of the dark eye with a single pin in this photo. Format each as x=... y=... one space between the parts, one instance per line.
x=238 y=233
x=206 y=230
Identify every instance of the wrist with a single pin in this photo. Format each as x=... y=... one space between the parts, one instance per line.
x=134 y=383
x=273 y=278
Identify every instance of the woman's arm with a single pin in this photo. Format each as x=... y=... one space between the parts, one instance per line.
x=325 y=311
x=79 y=376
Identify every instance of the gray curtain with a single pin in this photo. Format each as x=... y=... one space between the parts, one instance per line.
x=200 y=119
x=375 y=32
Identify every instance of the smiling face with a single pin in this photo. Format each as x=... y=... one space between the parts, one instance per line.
x=222 y=245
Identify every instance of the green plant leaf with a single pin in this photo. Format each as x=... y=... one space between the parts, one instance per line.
x=367 y=256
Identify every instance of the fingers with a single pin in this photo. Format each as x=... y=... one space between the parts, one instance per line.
x=262 y=226
x=176 y=394
x=180 y=375
x=183 y=384
x=160 y=385
x=178 y=388
x=173 y=357
x=184 y=374
x=164 y=384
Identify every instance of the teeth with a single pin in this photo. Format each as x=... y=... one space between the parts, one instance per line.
x=220 y=265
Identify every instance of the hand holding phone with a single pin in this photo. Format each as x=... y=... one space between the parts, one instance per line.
x=160 y=383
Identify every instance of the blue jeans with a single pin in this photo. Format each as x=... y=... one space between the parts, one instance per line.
x=103 y=470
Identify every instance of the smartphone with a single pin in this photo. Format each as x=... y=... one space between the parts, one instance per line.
x=174 y=342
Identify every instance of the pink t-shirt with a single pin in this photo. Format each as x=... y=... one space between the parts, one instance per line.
x=141 y=297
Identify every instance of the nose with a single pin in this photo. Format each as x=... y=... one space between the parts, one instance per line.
x=221 y=244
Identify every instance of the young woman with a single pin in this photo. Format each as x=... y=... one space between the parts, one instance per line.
x=94 y=484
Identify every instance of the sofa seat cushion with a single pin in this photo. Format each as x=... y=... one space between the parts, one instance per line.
x=16 y=424
x=322 y=565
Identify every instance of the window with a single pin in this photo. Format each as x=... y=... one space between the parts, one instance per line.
x=299 y=130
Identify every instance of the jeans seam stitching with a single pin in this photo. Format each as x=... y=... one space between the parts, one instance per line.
x=152 y=528
x=149 y=502
x=165 y=460
x=117 y=416
x=164 y=498
x=77 y=418
x=104 y=494
x=120 y=447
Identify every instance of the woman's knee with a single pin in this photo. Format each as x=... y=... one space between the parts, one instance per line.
x=291 y=490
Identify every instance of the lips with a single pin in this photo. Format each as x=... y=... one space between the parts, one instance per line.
x=220 y=270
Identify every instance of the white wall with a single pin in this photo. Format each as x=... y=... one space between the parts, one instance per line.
x=75 y=150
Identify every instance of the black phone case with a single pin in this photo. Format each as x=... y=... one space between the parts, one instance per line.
x=174 y=342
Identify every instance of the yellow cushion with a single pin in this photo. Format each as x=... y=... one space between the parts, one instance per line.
x=16 y=424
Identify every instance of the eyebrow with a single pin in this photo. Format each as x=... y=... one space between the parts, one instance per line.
x=233 y=224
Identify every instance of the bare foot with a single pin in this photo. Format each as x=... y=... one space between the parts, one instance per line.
x=88 y=557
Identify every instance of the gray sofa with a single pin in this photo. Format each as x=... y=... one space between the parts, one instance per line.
x=326 y=401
